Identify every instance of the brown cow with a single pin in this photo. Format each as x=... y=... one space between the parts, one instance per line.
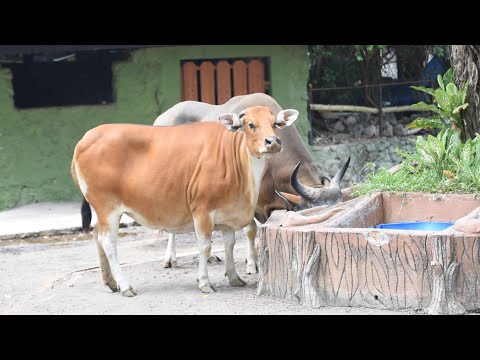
x=193 y=177
x=312 y=189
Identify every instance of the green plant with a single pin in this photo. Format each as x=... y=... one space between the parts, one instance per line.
x=439 y=164
x=435 y=153
x=449 y=102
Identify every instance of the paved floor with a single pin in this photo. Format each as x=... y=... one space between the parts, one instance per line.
x=53 y=274
x=60 y=275
x=43 y=217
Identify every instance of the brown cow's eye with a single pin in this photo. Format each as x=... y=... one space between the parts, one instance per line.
x=251 y=126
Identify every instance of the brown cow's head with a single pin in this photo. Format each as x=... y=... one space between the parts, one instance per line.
x=329 y=193
x=257 y=122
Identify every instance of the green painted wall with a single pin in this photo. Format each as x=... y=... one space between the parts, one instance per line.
x=36 y=145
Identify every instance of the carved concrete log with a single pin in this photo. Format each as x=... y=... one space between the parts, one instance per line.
x=445 y=268
x=293 y=218
x=263 y=258
x=343 y=261
x=307 y=287
x=361 y=269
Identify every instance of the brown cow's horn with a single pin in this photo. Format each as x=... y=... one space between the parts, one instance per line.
x=307 y=192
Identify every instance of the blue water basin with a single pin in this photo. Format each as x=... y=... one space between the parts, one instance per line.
x=424 y=226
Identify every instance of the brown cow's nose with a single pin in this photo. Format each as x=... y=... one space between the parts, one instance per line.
x=272 y=139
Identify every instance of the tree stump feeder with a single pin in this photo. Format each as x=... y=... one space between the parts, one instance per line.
x=345 y=261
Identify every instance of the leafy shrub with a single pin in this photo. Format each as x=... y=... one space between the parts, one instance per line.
x=449 y=102
x=439 y=164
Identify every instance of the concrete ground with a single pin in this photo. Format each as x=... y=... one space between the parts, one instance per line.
x=48 y=267
x=44 y=218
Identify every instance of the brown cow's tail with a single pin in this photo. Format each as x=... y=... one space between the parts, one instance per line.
x=86 y=215
x=85 y=211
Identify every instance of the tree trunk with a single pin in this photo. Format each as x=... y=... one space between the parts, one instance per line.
x=465 y=60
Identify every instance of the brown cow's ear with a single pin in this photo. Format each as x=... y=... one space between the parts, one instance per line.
x=231 y=121
x=286 y=118
x=290 y=198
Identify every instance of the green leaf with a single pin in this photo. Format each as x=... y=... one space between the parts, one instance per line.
x=458 y=108
x=433 y=122
x=440 y=81
x=451 y=89
x=424 y=89
x=429 y=107
x=448 y=77
x=443 y=100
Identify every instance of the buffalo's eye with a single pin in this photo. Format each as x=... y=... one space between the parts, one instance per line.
x=252 y=126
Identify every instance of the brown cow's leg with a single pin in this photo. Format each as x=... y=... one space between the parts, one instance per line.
x=170 y=260
x=252 y=257
x=203 y=221
x=170 y=254
x=107 y=228
x=230 y=272
x=104 y=265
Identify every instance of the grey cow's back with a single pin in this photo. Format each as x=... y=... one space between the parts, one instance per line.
x=194 y=111
x=281 y=165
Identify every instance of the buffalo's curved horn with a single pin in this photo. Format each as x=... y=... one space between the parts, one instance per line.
x=314 y=194
x=339 y=175
x=307 y=192
x=291 y=199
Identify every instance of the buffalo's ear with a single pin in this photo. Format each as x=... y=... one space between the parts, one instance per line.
x=326 y=181
x=292 y=199
x=231 y=121
x=286 y=118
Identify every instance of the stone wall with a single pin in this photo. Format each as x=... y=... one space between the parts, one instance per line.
x=366 y=155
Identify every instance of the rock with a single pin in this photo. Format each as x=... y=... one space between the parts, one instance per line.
x=395 y=169
x=387 y=129
x=330 y=115
x=338 y=126
x=364 y=118
x=342 y=152
x=391 y=118
x=340 y=138
x=399 y=130
x=371 y=147
x=350 y=120
x=356 y=130
x=370 y=131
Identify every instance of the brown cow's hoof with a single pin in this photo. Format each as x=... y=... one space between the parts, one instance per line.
x=129 y=292
x=113 y=287
x=236 y=281
x=214 y=259
x=169 y=264
x=207 y=289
